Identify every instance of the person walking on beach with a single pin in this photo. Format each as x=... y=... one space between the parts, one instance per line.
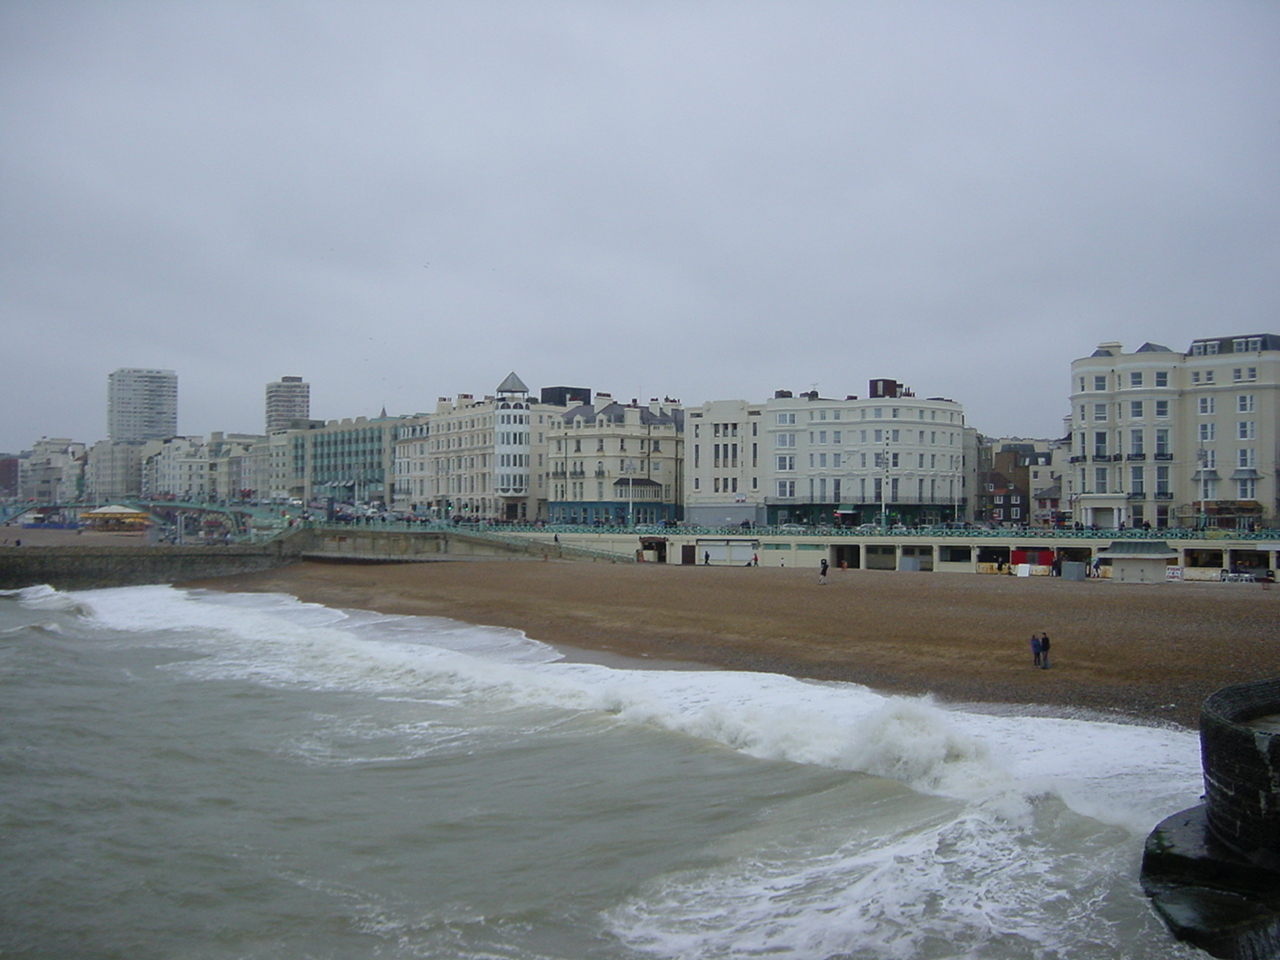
x=1044 y=651
x=1035 y=649
x=706 y=558
x=822 y=571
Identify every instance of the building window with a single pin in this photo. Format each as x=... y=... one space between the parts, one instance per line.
x=1246 y=489
x=1162 y=378
x=1136 y=479
x=1099 y=479
x=1135 y=409
x=1162 y=409
x=1100 y=383
x=786 y=463
x=1135 y=379
x=1099 y=411
x=786 y=440
x=1245 y=430
x=1135 y=442
x=1206 y=433
x=786 y=488
x=1245 y=458
x=1206 y=405
x=1244 y=403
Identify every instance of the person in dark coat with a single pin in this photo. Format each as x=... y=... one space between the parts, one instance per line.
x=1035 y=649
x=1044 y=651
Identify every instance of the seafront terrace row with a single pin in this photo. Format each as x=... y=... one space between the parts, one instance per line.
x=1200 y=554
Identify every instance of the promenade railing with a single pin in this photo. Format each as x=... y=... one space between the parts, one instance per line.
x=540 y=531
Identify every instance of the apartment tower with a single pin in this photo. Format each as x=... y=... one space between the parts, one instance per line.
x=288 y=399
x=142 y=405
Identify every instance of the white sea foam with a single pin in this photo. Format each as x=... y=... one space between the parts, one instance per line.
x=43 y=597
x=1126 y=774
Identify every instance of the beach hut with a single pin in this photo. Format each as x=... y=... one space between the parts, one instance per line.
x=116 y=517
x=1138 y=561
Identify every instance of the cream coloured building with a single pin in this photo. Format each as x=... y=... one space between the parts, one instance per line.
x=616 y=463
x=1167 y=438
x=723 y=473
x=811 y=459
x=176 y=467
x=482 y=459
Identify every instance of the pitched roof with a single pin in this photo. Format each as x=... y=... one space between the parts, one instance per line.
x=512 y=384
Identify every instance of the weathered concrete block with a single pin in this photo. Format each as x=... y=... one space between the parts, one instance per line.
x=1213 y=872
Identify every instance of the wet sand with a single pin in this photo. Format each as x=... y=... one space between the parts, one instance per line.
x=1150 y=652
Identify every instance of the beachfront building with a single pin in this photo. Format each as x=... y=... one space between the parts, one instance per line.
x=176 y=468
x=266 y=469
x=481 y=459
x=113 y=470
x=231 y=465
x=346 y=461
x=891 y=458
x=1166 y=438
x=52 y=471
x=615 y=463
x=723 y=477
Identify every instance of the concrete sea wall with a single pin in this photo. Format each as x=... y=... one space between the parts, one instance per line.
x=90 y=567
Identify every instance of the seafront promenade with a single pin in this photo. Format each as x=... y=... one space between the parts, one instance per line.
x=1194 y=554
x=1188 y=554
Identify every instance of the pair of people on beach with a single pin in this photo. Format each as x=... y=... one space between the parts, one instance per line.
x=1040 y=650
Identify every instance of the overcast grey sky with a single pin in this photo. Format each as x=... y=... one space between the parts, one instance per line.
x=400 y=201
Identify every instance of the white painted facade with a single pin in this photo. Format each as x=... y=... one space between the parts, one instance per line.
x=1177 y=439
x=811 y=459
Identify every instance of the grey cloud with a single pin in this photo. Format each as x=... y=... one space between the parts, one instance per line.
x=701 y=200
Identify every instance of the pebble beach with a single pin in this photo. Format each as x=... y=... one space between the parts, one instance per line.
x=1147 y=652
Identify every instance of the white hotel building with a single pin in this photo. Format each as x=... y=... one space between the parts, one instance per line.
x=1176 y=439
x=811 y=459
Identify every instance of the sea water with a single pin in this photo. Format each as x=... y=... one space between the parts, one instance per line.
x=191 y=774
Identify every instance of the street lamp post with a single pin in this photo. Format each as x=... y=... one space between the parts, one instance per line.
x=884 y=485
